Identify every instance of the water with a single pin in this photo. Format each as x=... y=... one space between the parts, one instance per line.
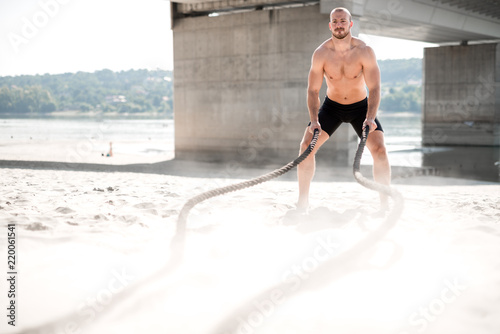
x=403 y=139
x=402 y=135
x=402 y=129
x=404 y=144
x=79 y=129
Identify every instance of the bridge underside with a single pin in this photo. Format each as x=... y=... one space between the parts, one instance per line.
x=241 y=68
x=433 y=21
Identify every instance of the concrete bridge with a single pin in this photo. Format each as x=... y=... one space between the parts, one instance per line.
x=241 y=66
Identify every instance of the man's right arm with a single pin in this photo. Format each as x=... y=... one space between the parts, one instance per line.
x=315 y=80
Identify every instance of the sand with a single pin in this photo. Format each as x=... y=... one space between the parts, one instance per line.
x=91 y=238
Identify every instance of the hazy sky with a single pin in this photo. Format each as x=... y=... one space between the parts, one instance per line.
x=57 y=36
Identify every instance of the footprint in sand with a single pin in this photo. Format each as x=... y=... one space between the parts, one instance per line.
x=168 y=213
x=144 y=205
x=129 y=219
x=100 y=217
x=147 y=207
x=64 y=210
x=36 y=227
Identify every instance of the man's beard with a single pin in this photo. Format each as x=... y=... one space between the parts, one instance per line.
x=341 y=36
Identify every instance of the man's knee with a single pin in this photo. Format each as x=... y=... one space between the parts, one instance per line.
x=378 y=150
x=304 y=144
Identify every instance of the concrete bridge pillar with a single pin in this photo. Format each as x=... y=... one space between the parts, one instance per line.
x=240 y=83
x=462 y=95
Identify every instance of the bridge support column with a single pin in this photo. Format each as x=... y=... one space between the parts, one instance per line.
x=240 y=82
x=462 y=95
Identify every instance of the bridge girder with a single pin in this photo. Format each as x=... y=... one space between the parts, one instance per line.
x=433 y=21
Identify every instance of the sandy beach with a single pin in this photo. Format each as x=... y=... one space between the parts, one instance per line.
x=92 y=240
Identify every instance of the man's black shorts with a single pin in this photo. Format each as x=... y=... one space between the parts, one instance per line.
x=332 y=114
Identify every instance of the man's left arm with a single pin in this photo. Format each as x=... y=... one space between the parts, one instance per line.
x=372 y=80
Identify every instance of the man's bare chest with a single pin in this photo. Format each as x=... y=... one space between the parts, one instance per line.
x=338 y=68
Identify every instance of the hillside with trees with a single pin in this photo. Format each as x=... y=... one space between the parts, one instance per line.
x=147 y=93
x=125 y=93
x=401 y=85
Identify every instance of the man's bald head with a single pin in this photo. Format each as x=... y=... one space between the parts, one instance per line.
x=340 y=10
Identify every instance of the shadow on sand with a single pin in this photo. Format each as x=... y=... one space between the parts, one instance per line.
x=225 y=170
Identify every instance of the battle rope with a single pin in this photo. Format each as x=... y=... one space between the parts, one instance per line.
x=367 y=183
x=336 y=266
x=177 y=245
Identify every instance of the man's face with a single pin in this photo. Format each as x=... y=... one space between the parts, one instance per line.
x=340 y=25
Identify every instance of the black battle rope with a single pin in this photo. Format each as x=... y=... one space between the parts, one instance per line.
x=341 y=262
x=177 y=243
x=177 y=246
x=367 y=183
x=334 y=267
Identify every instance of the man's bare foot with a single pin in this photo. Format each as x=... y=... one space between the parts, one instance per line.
x=302 y=205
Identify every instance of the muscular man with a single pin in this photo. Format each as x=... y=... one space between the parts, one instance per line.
x=349 y=67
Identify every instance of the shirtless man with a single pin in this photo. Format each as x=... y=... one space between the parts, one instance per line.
x=349 y=67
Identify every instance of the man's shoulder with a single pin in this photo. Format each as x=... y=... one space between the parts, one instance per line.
x=324 y=48
x=326 y=45
x=364 y=50
x=360 y=44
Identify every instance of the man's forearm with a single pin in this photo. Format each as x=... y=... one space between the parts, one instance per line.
x=373 y=103
x=313 y=105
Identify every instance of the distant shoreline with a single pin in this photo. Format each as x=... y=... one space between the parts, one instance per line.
x=76 y=114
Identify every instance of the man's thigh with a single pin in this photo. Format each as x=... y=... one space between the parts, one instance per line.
x=306 y=140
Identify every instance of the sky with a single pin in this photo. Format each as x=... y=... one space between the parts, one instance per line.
x=59 y=36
